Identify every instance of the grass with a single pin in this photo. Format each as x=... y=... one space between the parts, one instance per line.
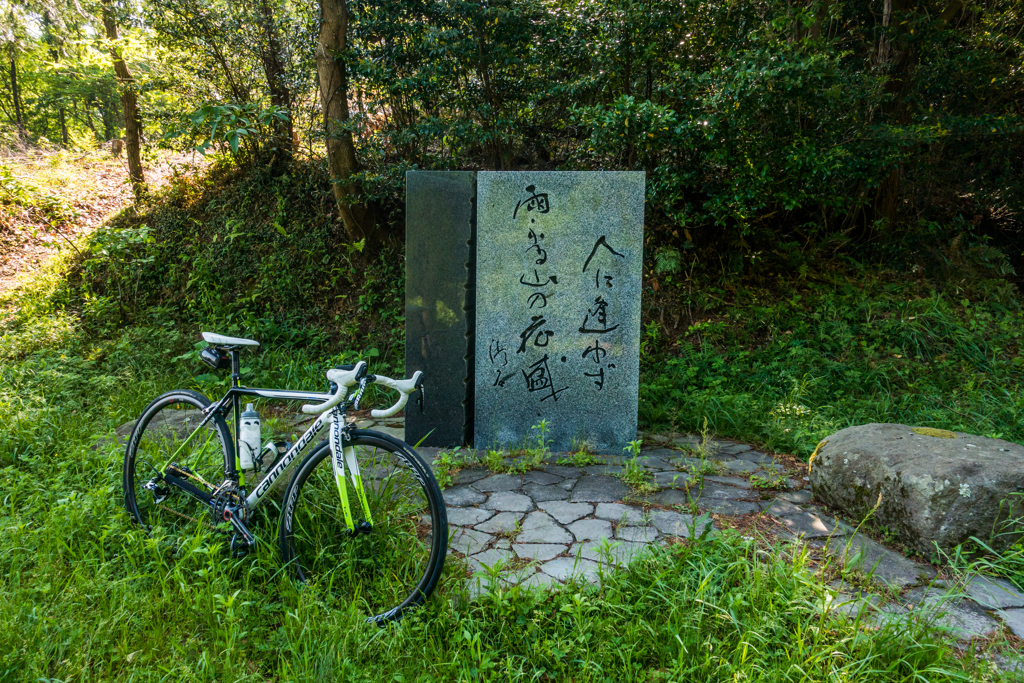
x=783 y=361
x=532 y=455
x=978 y=557
x=581 y=454
x=86 y=597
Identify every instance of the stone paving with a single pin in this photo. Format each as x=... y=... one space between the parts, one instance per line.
x=560 y=522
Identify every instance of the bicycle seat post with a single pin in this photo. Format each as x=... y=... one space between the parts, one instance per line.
x=236 y=373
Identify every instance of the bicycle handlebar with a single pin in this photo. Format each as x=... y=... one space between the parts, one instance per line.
x=344 y=379
x=404 y=387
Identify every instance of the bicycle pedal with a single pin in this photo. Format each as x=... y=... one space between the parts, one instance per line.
x=239 y=549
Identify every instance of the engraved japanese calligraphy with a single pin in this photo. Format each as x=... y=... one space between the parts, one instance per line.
x=558 y=282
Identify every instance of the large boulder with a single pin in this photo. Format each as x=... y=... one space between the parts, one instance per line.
x=937 y=487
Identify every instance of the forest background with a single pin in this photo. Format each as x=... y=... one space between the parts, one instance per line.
x=833 y=237
x=834 y=188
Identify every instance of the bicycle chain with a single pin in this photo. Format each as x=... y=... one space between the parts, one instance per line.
x=191 y=519
x=215 y=490
x=193 y=475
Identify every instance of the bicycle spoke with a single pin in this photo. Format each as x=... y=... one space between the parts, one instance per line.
x=385 y=565
x=169 y=432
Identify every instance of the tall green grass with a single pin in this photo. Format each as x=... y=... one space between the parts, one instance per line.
x=87 y=597
x=788 y=365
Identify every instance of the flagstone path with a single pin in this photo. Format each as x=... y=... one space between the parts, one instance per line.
x=561 y=521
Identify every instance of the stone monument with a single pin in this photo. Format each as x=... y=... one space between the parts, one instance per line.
x=523 y=304
x=438 y=304
x=558 y=279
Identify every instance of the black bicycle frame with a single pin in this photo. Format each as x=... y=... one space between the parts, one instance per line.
x=231 y=398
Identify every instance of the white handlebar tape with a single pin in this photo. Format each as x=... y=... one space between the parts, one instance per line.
x=404 y=387
x=344 y=379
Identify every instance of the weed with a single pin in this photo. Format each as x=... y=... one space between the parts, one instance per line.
x=768 y=480
x=494 y=460
x=633 y=473
x=447 y=463
x=531 y=456
x=581 y=454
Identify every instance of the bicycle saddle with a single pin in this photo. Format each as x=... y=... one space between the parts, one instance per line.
x=221 y=340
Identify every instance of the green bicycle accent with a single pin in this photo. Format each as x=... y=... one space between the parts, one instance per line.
x=357 y=484
x=345 y=508
x=361 y=494
x=174 y=456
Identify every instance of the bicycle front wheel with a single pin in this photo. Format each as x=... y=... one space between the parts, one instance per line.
x=396 y=561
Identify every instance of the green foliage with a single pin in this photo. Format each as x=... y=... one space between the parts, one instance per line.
x=755 y=126
x=581 y=454
x=114 y=604
x=768 y=480
x=244 y=129
x=786 y=363
x=255 y=252
x=977 y=555
x=633 y=473
x=16 y=194
x=447 y=463
x=66 y=78
x=531 y=455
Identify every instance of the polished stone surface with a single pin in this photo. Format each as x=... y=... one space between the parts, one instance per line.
x=439 y=209
x=558 y=288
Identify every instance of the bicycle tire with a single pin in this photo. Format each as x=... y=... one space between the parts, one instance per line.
x=320 y=550
x=157 y=436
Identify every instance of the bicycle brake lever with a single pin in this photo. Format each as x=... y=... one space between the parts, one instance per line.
x=359 y=394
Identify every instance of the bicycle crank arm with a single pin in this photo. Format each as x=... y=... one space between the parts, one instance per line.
x=240 y=527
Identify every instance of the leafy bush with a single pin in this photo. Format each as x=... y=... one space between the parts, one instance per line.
x=788 y=363
x=244 y=129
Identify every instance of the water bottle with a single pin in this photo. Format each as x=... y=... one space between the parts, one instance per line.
x=248 y=437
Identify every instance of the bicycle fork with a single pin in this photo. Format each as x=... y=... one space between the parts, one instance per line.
x=343 y=455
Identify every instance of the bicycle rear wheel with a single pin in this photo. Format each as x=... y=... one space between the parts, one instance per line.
x=166 y=433
x=397 y=564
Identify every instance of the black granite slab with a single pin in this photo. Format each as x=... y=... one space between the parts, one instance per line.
x=439 y=253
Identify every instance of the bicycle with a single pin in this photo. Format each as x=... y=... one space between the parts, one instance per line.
x=369 y=525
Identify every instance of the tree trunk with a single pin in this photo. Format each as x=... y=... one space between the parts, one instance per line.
x=19 y=112
x=54 y=44
x=274 y=71
x=341 y=151
x=819 y=19
x=894 y=53
x=63 y=127
x=129 y=104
